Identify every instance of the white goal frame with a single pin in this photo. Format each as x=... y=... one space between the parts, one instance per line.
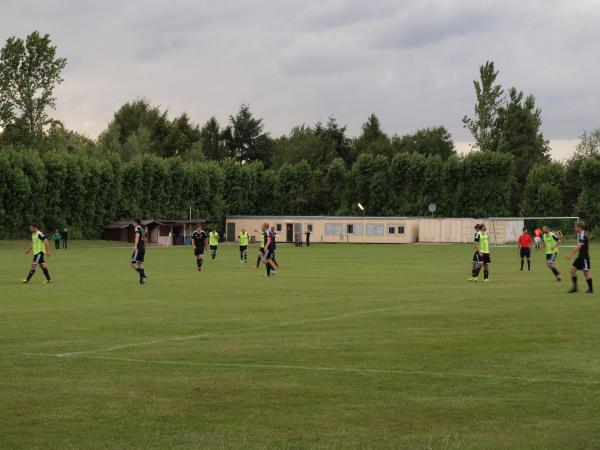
x=492 y=222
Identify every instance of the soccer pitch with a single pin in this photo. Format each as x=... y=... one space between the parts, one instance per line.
x=360 y=346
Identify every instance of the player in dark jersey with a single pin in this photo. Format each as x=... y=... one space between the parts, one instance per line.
x=274 y=236
x=476 y=256
x=139 y=250
x=582 y=262
x=269 y=250
x=199 y=242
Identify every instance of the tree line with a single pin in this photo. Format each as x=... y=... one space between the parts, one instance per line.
x=63 y=189
x=146 y=163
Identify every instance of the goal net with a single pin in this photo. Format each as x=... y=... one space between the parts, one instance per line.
x=506 y=230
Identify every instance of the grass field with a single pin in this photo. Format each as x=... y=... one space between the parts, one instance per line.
x=358 y=346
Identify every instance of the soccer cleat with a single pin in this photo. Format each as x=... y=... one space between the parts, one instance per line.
x=471 y=279
x=24 y=281
x=558 y=279
x=486 y=280
x=47 y=281
x=143 y=280
x=200 y=269
x=476 y=280
x=573 y=290
x=589 y=291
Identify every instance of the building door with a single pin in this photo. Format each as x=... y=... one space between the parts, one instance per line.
x=289 y=232
x=231 y=231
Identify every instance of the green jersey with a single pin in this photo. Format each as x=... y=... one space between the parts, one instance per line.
x=244 y=238
x=484 y=242
x=37 y=242
x=550 y=243
x=213 y=238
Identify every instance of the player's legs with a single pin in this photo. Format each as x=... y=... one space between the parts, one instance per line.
x=213 y=251
x=259 y=258
x=551 y=263
x=246 y=254
x=45 y=270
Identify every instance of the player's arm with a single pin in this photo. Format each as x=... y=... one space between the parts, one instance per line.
x=268 y=243
x=29 y=249
x=136 y=240
x=574 y=252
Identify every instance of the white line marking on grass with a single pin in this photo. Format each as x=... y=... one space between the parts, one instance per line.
x=352 y=370
x=233 y=332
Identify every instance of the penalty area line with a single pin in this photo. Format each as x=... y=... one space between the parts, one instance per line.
x=348 y=370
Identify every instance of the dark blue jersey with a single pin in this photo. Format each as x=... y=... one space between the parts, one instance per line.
x=139 y=231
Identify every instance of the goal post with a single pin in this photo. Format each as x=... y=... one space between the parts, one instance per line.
x=506 y=230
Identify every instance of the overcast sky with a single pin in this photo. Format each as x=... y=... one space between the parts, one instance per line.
x=410 y=62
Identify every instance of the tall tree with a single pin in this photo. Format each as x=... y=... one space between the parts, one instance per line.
x=426 y=141
x=214 y=144
x=248 y=141
x=589 y=145
x=29 y=73
x=489 y=96
x=337 y=135
x=372 y=139
x=518 y=133
x=303 y=144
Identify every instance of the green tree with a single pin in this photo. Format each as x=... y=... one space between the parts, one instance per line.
x=214 y=145
x=372 y=139
x=543 y=194
x=247 y=140
x=130 y=120
x=589 y=145
x=303 y=144
x=488 y=98
x=588 y=205
x=29 y=73
x=336 y=134
x=426 y=141
x=519 y=132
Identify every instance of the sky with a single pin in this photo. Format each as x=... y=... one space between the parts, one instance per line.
x=410 y=62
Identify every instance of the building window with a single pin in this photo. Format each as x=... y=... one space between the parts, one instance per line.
x=395 y=229
x=354 y=228
x=278 y=227
x=298 y=228
x=333 y=229
x=375 y=229
x=164 y=230
x=309 y=227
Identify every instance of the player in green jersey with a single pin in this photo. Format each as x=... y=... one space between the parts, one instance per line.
x=550 y=241
x=483 y=249
x=40 y=247
x=244 y=241
x=213 y=243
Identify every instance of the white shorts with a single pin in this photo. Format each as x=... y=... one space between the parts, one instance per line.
x=537 y=240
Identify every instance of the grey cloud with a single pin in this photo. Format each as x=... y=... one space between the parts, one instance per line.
x=411 y=63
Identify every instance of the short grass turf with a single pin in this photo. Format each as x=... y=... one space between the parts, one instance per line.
x=362 y=346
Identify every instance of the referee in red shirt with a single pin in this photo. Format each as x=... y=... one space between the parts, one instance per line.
x=525 y=248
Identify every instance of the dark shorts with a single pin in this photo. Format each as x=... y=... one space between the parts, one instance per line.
x=138 y=256
x=199 y=251
x=243 y=248
x=525 y=252
x=582 y=264
x=269 y=254
x=213 y=248
x=476 y=257
x=38 y=258
x=485 y=258
x=551 y=257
